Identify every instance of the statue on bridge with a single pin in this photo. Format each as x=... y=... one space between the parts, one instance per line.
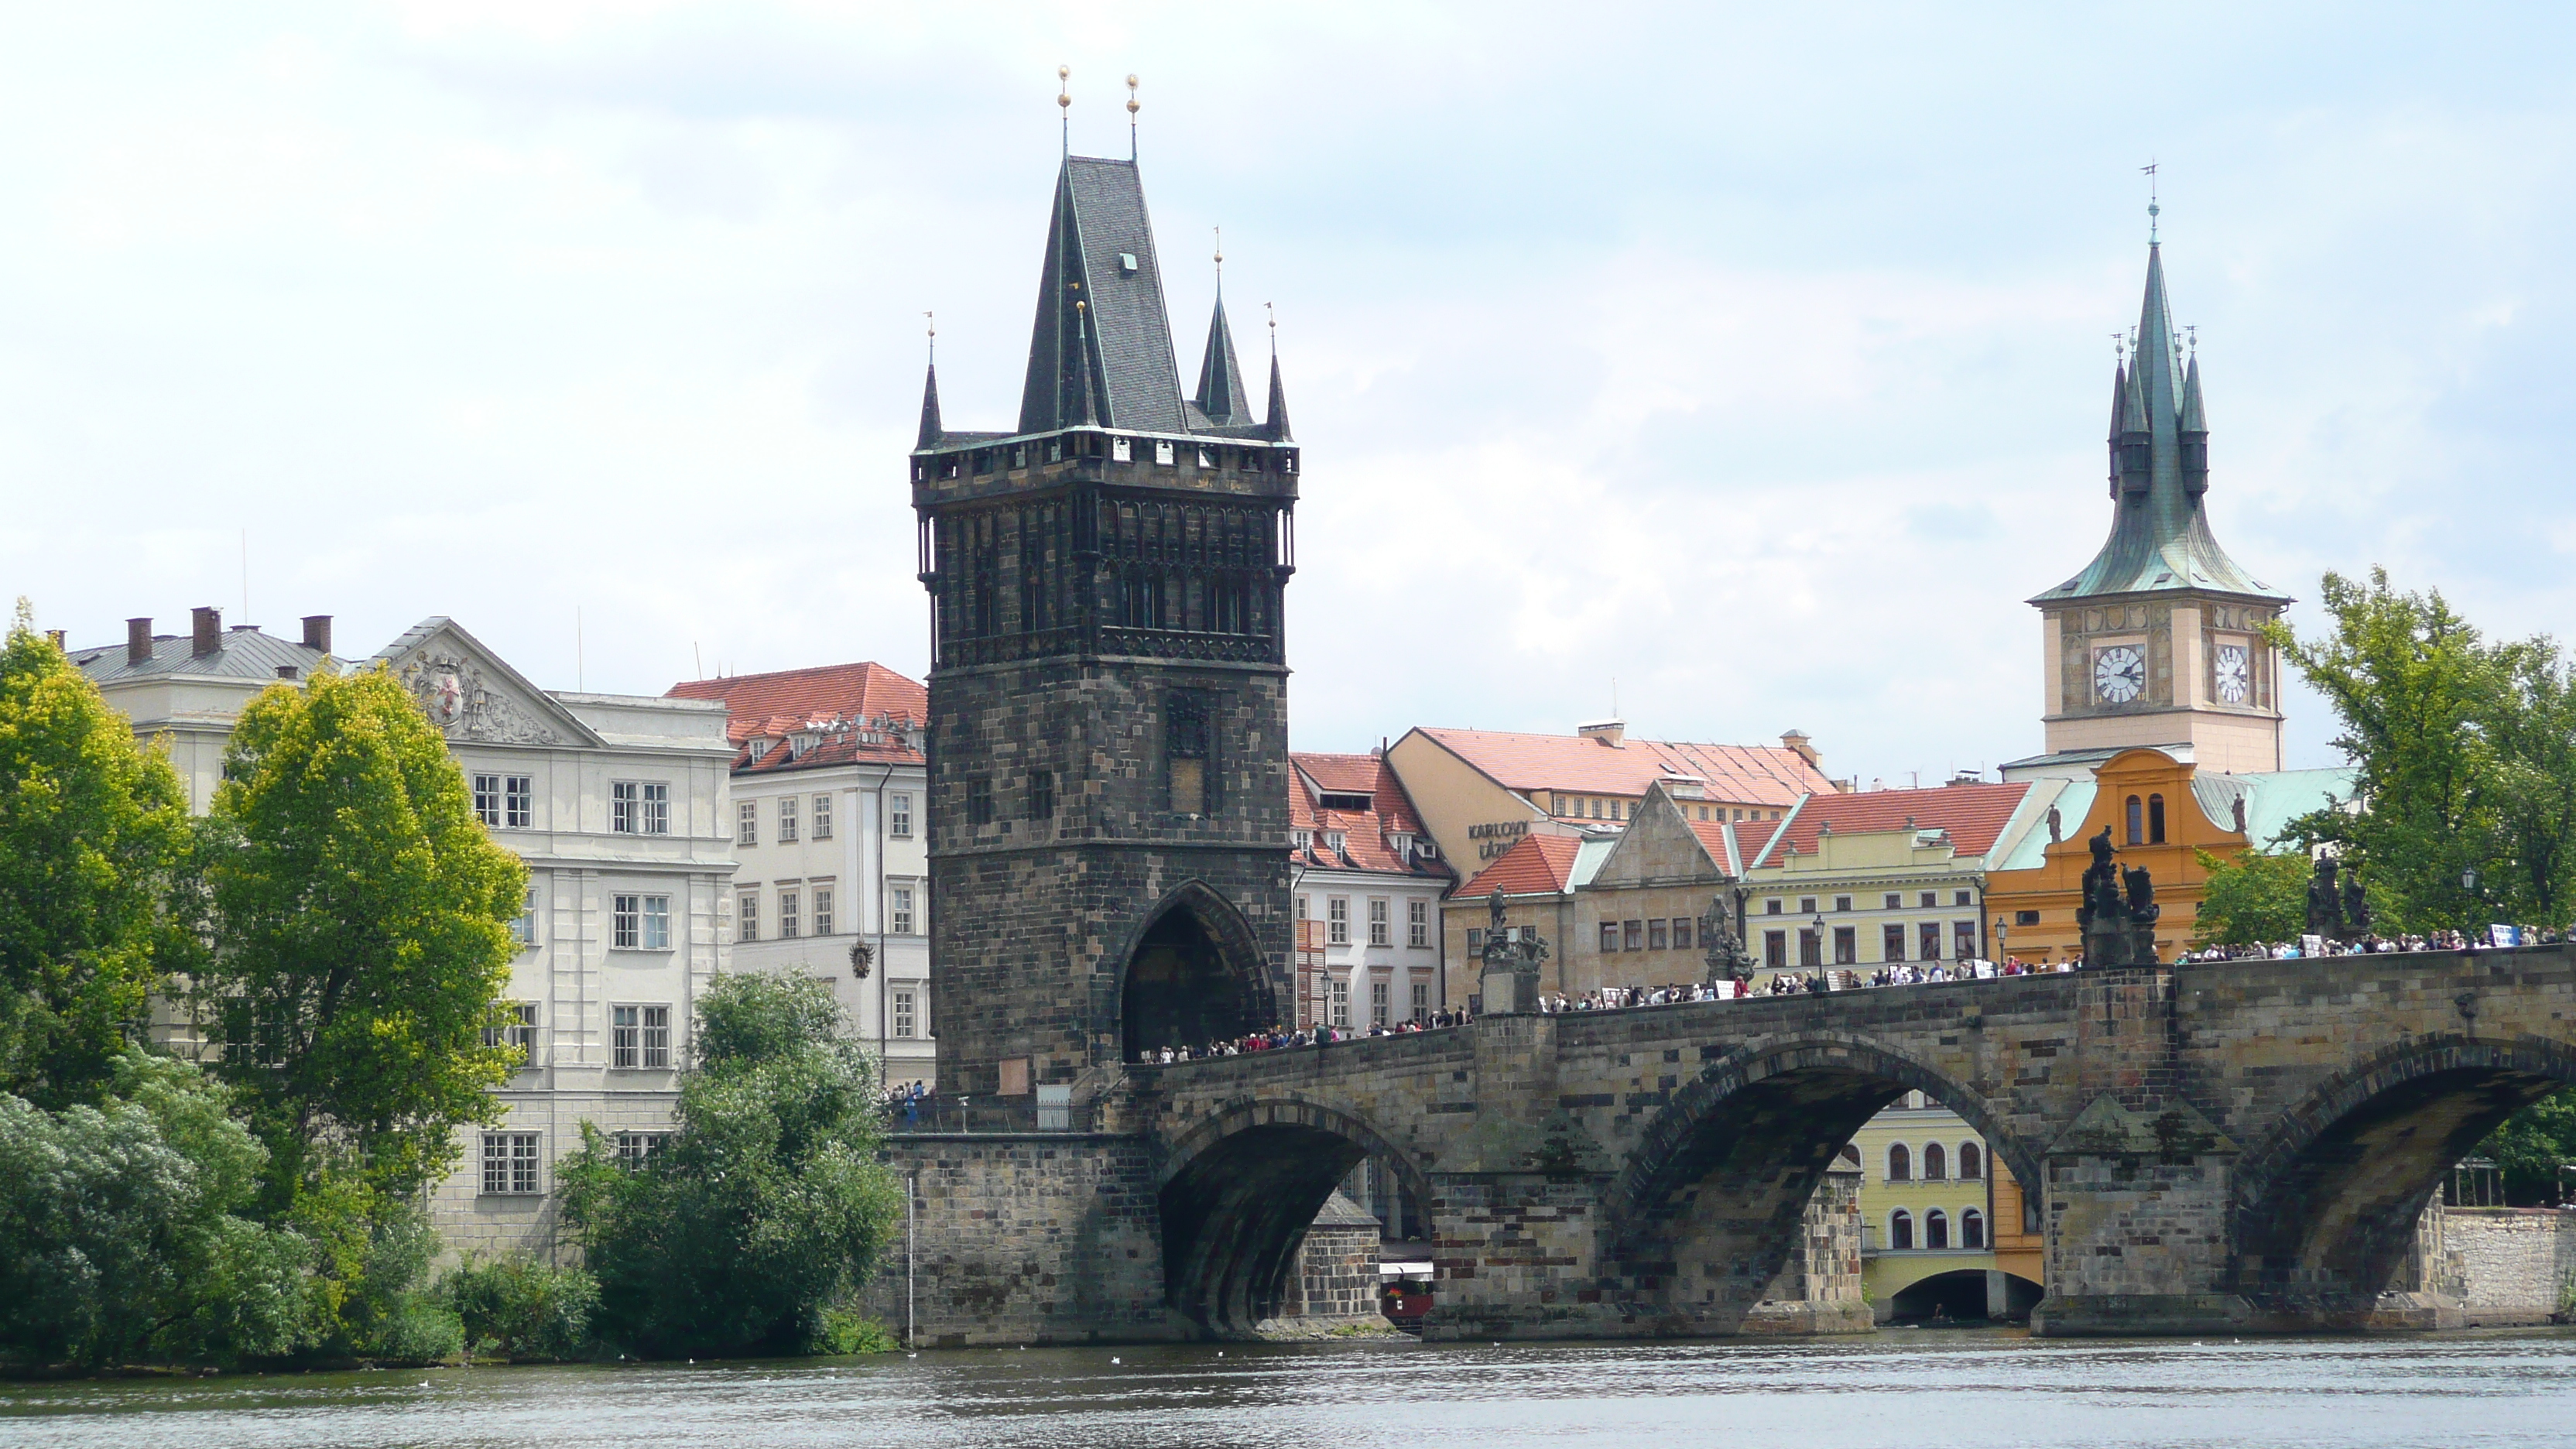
x=2325 y=901
x=2356 y=908
x=2118 y=910
x=1511 y=957
x=1726 y=956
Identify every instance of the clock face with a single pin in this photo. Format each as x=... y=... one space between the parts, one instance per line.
x=2232 y=685
x=2119 y=673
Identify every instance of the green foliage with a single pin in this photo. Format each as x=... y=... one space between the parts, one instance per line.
x=362 y=914
x=94 y=841
x=371 y=1264
x=844 y=1331
x=516 y=1307
x=2253 y=898
x=122 y=1229
x=2530 y=1145
x=2466 y=756
x=766 y=1209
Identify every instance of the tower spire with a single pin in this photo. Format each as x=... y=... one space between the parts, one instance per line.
x=931 y=432
x=1220 y=396
x=1276 y=424
x=1064 y=104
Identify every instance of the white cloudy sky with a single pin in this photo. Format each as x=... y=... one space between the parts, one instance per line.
x=1754 y=356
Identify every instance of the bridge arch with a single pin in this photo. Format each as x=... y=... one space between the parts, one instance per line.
x=1237 y=1192
x=2326 y=1204
x=1707 y=1211
x=1190 y=971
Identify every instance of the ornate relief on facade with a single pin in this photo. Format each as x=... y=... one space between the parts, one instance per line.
x=452 y=693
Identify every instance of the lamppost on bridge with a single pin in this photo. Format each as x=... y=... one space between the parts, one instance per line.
x=2003 y=949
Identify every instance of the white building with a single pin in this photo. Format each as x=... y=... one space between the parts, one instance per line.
x=828 y=795
x=619 y=805
x=1367 y=882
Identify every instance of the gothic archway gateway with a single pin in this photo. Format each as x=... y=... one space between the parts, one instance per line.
x=1194 y=976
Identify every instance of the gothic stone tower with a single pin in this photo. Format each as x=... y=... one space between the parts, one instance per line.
x=2157 y=641
x=1108 y=697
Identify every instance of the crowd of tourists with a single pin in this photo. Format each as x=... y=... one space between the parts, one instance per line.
x=2311 y=946
x=1280 y=1038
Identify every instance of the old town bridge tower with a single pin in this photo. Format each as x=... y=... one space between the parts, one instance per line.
x=1108 y=695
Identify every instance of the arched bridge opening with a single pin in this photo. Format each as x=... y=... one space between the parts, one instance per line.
x=2328 y=1207
x=1193 y=977
x=1730 y=1216
x=1237 y=1196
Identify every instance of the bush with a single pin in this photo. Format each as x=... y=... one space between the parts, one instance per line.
x=371 y=1260
x=843 y=1330
x=516 y=1307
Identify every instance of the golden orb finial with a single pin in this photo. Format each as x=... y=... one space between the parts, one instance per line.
x=1064 y=78
x=1131 y=95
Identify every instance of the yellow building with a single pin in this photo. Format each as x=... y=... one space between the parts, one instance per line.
x=1942 y=1229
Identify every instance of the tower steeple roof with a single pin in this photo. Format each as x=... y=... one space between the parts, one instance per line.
x=2160 y=538
x=930 y=429
x=1220 y=399
x=1102 y=348
x=1275 y=426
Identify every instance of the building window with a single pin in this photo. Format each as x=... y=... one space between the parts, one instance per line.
x=1417 y=923
x=2025 y=918
x=1771 y=907
x=1892 y=902
x=1186 y=753
x=1614 y=809
x=1421 y=999
x=1658 y=935
x=1042 y=795
x=788 y=921
x=1609 y=935
x=822 y=817
x=517 y=1029
x=510 y=1163
x=2155 y=820
x=1900 y=1230
x=639 y=1037
x=979 y=802
x=1961 y=898
x=1337 y=920
x=1929 y=934
x=1378 y=927
x=787 y=820
x=639 y=923
x=746 y=920
x=523 y=927
x=1475 y=939
x=1927 y=900
x=1936 y=1229
x=1936 y=1162
x=1377 y=1004
x=1632 y=935
x=907 y=1023
x=1775 y=949
x=1963 y=940
x=1891 y=943
x=746 y=823
x=899 y=815
x=1900 y=1163
x=822 y=910
x=505 y=802
x=1846 y=946
x=1842 y=903
x=900 y=917
x=634 y=1147
x=1972 y=1229
x=1972 y=1163
x=1806 y=905
x=2136 y=821
x=639 y=807
x=1811 y=948
x=1341 y=1001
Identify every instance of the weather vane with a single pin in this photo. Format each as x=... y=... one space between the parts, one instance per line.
x=2149 y=171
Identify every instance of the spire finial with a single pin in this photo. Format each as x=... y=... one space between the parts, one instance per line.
x=1220 y=259
x=1274 y=330
x=931 y=322
x=1064 y=103
x=2149 y=171
x=2120 y=348
x=1131 y=120
x=2191 y=336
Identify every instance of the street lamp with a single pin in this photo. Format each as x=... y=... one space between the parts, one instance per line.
x=1819 y=927
x=2003 y=951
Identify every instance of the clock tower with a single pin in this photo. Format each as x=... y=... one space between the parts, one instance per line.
x=2158 y=640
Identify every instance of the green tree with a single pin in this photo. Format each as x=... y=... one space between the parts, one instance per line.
x=122 y=1234
x=516 y=1307
x=2529 y=1146
x=94 y=846
x=2529 y=720
x=766 y=1210
x=361 y=914
x=2253 y=898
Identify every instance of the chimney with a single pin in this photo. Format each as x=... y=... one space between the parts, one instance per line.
x=55 y=635
x=1798 y=741
x=317 y=632
x=1605 y=732
x=209 y=628
x=138 y=641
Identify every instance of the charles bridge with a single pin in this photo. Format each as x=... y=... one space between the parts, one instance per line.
x=2224 y=1147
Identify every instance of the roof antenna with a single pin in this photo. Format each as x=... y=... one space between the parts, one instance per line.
x=1131 y=120
x=1064 y=103
x=2149 y=171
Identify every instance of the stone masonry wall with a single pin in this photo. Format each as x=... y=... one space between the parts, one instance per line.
x=1335 y=1276
x=2515 y=1265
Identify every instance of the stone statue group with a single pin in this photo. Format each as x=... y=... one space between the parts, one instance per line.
x=2337 y=911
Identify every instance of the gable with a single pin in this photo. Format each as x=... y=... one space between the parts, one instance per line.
x=471 y=695
x=1659 y=845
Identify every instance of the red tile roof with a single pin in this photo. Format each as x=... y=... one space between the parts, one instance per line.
x=1973 y=814
x=1536 y=863
x=1738 y=774
x=862 y=713
x=1364 y=832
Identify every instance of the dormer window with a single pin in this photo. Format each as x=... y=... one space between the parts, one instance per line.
x=1302 y=839
x=760 y=750
x=1333 y=841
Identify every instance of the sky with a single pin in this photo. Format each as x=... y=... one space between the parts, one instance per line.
x=1739 y=368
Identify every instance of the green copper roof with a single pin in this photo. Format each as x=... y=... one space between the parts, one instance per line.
x=2160 y=538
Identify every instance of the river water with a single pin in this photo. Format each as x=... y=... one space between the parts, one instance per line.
x=1954 y=1387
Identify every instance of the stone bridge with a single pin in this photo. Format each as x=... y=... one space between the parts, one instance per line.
x=2231 y=1147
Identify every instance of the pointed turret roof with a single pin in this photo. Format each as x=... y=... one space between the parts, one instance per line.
x=1220 y=399
x=1275 y=426
x=1102 y=349
x=2160 y=538
x=930 y=431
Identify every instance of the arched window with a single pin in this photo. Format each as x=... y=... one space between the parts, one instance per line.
x=1900 y=1163
x=1851 y=1153
x=1972 y=1163
x=1935 y=1162
x=1900 y=1230
x=1936 y=1229
x=2137 y=822
x=1972 y=1229
x=2155 y=820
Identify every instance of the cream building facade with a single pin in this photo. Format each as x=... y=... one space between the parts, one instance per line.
x=617 y=803
x=1367 y=884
